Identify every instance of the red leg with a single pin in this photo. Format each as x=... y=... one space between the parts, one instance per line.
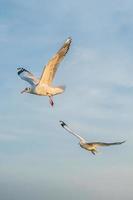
x=51 y=101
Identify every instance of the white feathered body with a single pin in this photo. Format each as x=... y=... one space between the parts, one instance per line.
x=46 y=90
x=89 y=147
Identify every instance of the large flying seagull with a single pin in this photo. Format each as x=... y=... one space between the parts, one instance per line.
x=43 y=86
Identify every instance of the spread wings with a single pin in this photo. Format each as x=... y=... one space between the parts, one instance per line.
x=105 y=144
x=27 y=76
x=51 y=68
x=67 y=128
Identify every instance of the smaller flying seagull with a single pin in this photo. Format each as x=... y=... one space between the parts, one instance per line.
x=92 y=146
x=43 y=86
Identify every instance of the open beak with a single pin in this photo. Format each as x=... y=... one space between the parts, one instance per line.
x=22 y=91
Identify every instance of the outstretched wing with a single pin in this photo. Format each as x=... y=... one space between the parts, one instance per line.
x=51 y=68
x=67 y=128
x=27 y=76
x=106 y=144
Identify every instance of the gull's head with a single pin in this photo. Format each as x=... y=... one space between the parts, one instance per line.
x=26 y=90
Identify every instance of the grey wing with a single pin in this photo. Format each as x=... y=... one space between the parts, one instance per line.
x=106 y=144
x=66 y=127
x=51 y=68
x=27 y=76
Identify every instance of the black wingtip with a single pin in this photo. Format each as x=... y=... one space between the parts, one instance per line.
x=62 y=123
x=123 y=141
x=20 y=70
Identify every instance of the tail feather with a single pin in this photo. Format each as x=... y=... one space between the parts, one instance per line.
x=63 y=87
x=58 y=90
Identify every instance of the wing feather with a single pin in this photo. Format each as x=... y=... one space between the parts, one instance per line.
x=51 y=68
x=27 y=76
x=67 y=128
x=106 y=144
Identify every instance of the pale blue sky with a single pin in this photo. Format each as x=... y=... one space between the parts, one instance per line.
x=39 y=160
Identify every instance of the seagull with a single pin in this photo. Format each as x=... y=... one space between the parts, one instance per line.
x=92 y=147
x=43 y=85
